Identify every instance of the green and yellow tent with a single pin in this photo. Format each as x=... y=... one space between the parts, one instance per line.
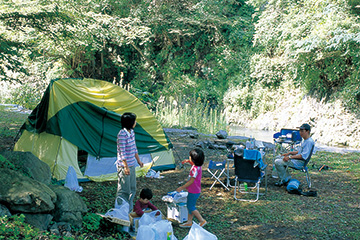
x=84 y=114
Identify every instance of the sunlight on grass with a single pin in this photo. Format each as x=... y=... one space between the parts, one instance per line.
x=10 y=122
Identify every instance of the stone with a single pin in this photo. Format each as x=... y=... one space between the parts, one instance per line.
x=38 y=220
x=229 y=144
x=194 y=135
x=58 y=228
x=220 y=147
x=69 y=206
x=200 y=144
x=23 y=194
x=222 y=134
x=4 y=211
x=30 y=165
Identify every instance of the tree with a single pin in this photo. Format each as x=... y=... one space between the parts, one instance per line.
x=313 y=43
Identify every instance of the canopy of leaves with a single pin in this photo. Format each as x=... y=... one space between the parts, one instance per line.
x=313 y=43
x=187 y=49
x=172 y=47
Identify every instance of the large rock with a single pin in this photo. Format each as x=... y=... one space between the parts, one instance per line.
x=30 y=165
x=69 y=206
x=38 y=220
x=222 y=134
x=23 y=194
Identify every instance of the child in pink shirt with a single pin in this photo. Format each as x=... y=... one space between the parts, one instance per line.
x=193 y=187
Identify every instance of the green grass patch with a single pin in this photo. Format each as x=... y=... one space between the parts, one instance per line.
x=10 y=122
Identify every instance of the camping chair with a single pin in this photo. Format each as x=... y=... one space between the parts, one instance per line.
x=287 y=139
x=304 y=168
x=217 y=169
x=248 y=170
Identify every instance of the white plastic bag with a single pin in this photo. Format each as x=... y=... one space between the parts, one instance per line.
x=180 y=197
x=117 y=213
x=198 y=233
x=145 y=232
x=176 y=197
x=159 y=230
x=121 y=209
x=149 y=218
x=71 y=180
x=121 y=203
x=162 y=229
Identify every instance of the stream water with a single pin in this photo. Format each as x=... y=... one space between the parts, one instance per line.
x=267 y=136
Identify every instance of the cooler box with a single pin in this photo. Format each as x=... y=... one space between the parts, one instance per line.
x=177 y=211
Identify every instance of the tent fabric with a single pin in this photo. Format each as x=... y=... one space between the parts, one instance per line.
x=84 y=114
x=104 y=168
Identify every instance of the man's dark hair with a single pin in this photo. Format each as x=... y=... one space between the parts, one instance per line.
x=197 y=156
x=127 y=120
x=146 y=193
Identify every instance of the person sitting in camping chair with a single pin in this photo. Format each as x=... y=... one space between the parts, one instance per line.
x=294 y=158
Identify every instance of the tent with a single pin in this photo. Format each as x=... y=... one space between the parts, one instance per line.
x=84 y=114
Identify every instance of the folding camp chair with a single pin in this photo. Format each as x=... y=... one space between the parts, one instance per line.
x=304 y=168
x=287 y=139
x=217 y=169
x=249 y=170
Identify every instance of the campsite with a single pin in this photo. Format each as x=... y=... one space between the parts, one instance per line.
x=70 y=71
x=333 y=214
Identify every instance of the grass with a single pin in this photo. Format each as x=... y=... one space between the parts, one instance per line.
x=333 y=214
x=198 y=115
x=10 y=122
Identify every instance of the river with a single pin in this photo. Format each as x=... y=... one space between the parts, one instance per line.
x=267 y=136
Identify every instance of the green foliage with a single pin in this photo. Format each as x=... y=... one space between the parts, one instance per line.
x=91 y=222
x=313 y=43
x=26 y=95
x=197 y=47
x=14 y=227
x=153 y=47
x=4 y=163
x=253 y=99
x=197 y=114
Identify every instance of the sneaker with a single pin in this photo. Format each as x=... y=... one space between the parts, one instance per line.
x=186 y=225
x=203 y=223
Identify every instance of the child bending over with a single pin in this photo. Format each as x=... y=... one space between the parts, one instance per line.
x=144 y=203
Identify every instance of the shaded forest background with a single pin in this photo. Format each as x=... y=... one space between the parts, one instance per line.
x=247 y=59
